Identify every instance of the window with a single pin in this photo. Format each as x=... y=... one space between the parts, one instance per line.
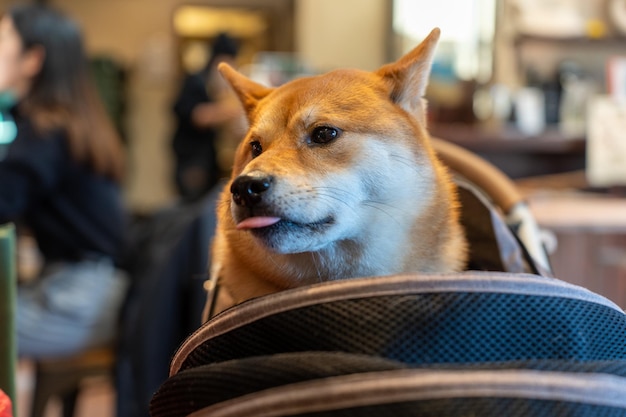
x=467 y=29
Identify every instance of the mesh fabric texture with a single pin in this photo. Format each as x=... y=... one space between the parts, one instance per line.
x=432 y=328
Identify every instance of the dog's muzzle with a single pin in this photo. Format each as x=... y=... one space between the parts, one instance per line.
x=247 y=190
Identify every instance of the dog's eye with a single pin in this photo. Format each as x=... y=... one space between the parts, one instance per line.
x=256 y=148
x=324 y=134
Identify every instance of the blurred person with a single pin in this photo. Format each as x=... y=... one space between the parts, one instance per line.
x=204 y=107
x=60 y=180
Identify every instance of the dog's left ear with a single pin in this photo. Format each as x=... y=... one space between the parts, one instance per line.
x=408 y=76
x=249 y=92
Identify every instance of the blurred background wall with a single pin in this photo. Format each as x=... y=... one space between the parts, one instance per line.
x=485 y=43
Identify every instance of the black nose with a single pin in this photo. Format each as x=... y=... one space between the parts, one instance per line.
x=247 y=189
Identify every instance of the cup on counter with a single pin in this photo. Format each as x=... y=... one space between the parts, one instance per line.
x=530 y=110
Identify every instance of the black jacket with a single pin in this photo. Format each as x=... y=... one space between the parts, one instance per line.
x=72 y=211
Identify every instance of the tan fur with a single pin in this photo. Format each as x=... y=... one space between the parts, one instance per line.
x=390 y=204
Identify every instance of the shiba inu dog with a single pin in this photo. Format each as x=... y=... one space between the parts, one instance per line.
x=336 y=178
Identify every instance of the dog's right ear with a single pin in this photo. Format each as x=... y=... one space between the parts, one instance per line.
x=408 y=77
x=248 y=91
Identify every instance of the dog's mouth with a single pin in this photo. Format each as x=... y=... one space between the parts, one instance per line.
x=284 y=232
x=285 y=235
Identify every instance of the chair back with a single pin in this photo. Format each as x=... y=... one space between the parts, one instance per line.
x=8 y=290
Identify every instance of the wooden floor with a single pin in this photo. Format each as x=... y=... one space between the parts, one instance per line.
x=97 y=397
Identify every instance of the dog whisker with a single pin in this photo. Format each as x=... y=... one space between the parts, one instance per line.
x=315 y=262
x=385 y=209
x=377 y=205
x=334 y=198
x=272 y=258
x=401 y=159
x=336 y=194
x=333 y=189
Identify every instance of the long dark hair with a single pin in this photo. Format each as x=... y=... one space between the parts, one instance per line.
x=63 y=94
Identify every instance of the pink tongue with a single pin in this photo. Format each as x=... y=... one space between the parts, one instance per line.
x=256 y=222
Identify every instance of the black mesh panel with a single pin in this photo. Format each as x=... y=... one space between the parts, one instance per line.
x=433 y=328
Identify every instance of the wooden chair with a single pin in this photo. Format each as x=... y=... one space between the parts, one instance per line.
x=63 y=378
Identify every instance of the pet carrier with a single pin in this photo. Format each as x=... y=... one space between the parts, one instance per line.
x=508 y=340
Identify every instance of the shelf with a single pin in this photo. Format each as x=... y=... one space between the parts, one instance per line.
x=516 y=154
x=509 y=140
x=573 y=41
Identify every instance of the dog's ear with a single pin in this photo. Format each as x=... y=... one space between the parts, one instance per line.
x=248 y=91
x=408 y=76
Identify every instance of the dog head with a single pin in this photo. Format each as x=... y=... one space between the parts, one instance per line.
x=335 y=158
